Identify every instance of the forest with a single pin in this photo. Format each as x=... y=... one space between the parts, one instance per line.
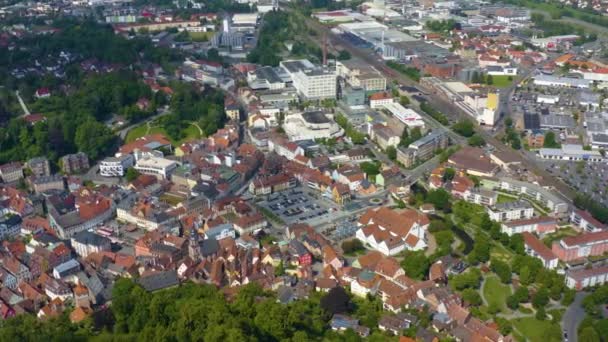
x=202 y=313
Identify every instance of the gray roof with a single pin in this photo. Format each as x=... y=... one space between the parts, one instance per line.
x=89 y=238
x=160 y=280
x=557 y=121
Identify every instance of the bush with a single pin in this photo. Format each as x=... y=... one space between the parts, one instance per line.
x=352 y=246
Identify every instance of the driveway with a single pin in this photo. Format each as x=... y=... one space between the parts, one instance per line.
x=574 y=316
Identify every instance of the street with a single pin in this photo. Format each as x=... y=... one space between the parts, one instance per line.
x=573 y=317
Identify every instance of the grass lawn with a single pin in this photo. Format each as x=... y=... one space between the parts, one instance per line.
x=190 y=132
x=502 y=81
x=170 y=199
x=136 y=132
x=200 y=36
x=496 y=293
x=498 y=251
x=505 y=199
x=558 y=235
x=537 y=331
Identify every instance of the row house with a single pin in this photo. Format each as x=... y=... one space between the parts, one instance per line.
x=583 y=220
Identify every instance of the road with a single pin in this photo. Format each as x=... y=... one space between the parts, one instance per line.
x=573 y=316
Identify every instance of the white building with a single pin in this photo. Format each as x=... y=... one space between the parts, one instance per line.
x=547 y=99
x=150 y=164
x=310 y=81
x=310 y=126
x=571 y=152
x=86 y=242
x=390 y=232
x=406 y=115
x=116 y=166
x=561 y=82
x=517 y=210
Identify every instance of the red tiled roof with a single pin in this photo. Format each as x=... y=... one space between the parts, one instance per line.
x=537 y=245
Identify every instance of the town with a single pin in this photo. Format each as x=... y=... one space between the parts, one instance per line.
x=293 y=171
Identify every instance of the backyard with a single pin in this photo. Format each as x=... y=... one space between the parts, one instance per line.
x=502 y=81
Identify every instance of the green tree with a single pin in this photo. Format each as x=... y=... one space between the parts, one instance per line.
x=94 y=138
x=589 y=334
x=344 y=55
x=416 y=264
x=464 y=127
x=550 y=141
x=502 y=269
x=132 y=174
x=391 y=152
x=476 y=140
x=440 y=198
x=541 y=298
x=448 y=174
x=471 y=296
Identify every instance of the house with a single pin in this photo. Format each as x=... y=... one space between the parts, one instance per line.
x=384 y=136
x=42 y=93
x=78 y=211
x=342 y=322
x=581 y=246
x=350 y=175
x=396 y=323
x=537 y=249
x=300 y=254
x=159 y=280
x=391 y=232
x=340 y=193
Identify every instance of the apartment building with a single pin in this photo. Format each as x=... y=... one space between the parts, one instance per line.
x=581 y=246
x=39 y=166
x=536 y=248
x=584 y=221
x=509 y=211
x=539 y=225
x=11 y=172
x=426 y=146
x=86 y=242
x=75 y=163
x=581 y=278
x=116 y=166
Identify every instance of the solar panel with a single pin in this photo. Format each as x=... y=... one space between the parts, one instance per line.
x=531 y=121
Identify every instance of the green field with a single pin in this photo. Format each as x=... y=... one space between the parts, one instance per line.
x=200 y=36
x=502 y=81
x=190 y=132
x=496 y=293
x=537 y=331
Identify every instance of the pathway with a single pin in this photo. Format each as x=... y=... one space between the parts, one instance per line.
x=431 y=245
x=200 y=130
x=574 y=316
x=22 y=104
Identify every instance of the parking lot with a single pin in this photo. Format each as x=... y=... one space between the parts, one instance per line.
x=589 y=178
x=298 y=206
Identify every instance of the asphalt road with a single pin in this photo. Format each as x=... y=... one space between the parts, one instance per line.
x=573 y=317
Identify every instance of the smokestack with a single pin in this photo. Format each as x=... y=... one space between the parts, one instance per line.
x=324 y=48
